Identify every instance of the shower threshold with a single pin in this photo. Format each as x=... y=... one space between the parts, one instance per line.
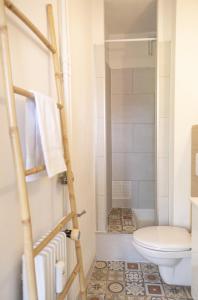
x=122 y=220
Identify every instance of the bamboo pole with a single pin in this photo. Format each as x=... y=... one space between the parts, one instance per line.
x=14 y=134
x=35 y=170
x=29 y=95
x=60 y=92
x=69 y=282
x=52 y=234
x=29 y=24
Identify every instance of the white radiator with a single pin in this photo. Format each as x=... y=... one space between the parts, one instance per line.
x=50 y=265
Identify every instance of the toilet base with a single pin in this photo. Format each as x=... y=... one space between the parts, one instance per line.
x=180 y=274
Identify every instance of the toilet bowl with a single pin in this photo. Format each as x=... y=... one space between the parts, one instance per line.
x=170 y=248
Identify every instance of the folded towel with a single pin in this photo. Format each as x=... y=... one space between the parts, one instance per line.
x=47 y=134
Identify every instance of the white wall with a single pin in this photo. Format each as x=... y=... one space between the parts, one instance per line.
x=33 y=69
x=185 y=106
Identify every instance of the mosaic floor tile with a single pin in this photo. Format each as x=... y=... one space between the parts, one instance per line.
x=149 y=268
x=176 y=292
x=154 y=289
x=116 y=275
x=135 y=289
x=97 y=287
x=116 y=265
x=99 y=274
x=100 y=264
x=115 y=287
x=95 y=297
x=131 y=276
x=188 y=292
x=133 y=266
x=115 y=228
x=152 y=277
x=119 y=280
x=121 y=220
x=115 y=297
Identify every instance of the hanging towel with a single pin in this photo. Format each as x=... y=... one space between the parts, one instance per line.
x=47 y=133
x=33 y=149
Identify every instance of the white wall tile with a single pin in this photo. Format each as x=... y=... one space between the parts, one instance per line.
x=164 y=96
x=121 y=190
x=163 y=137
x=122 y=136
x=133 y=108
x=100 y=176
x=134 y=166
x=130 y=203
x=162 y=177
x=144 y=138
x=144 y=81
x=100 y=97
x=121 y=80
x=146 y=194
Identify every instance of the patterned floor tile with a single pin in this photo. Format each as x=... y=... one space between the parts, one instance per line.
x=176 y=292
x=99 y=274
x=94 y=297
x=96 y=287
x=149 y=268
x=115 y=275
x=100 y=264
x=133 y=266
x=115 y=287
x=115 y=297
x=134 y=288
x=119 y=280
x=131 y=276
x=188 y=292
x=152 y=277
x=117 y=265
x=154 y=289
x=121 y=220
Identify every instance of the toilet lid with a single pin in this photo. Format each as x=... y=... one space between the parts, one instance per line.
x=165 y=238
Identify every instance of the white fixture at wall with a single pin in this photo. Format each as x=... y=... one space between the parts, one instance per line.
x=50 y=266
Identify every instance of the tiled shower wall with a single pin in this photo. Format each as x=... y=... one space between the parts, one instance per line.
x=133 y=137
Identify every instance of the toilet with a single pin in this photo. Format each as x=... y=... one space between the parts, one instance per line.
x=170 y=248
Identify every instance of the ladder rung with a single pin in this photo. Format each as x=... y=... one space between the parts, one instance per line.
x=30 y=25
x=53 y=233
x=69 y=282
x=27 y=94
x=35 y=170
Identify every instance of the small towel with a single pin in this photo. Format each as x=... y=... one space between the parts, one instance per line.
x=47 y=136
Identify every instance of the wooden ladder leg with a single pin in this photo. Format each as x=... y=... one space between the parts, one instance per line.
x=22 y=189
x=60 y=92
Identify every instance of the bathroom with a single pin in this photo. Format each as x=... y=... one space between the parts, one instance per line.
x=129 y=71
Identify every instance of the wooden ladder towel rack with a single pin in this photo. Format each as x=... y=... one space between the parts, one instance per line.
x=11 y=90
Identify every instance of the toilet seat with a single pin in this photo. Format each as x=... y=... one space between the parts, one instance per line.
x=163 y=238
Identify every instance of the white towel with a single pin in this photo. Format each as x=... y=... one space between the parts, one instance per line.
x=47 y=128
x=33 y=148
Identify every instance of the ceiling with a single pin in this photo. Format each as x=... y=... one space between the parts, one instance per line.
x=127 y=17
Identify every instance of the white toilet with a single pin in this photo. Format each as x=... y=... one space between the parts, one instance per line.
x=170 y=248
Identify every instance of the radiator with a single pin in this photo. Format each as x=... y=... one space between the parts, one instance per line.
x=50 y=266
